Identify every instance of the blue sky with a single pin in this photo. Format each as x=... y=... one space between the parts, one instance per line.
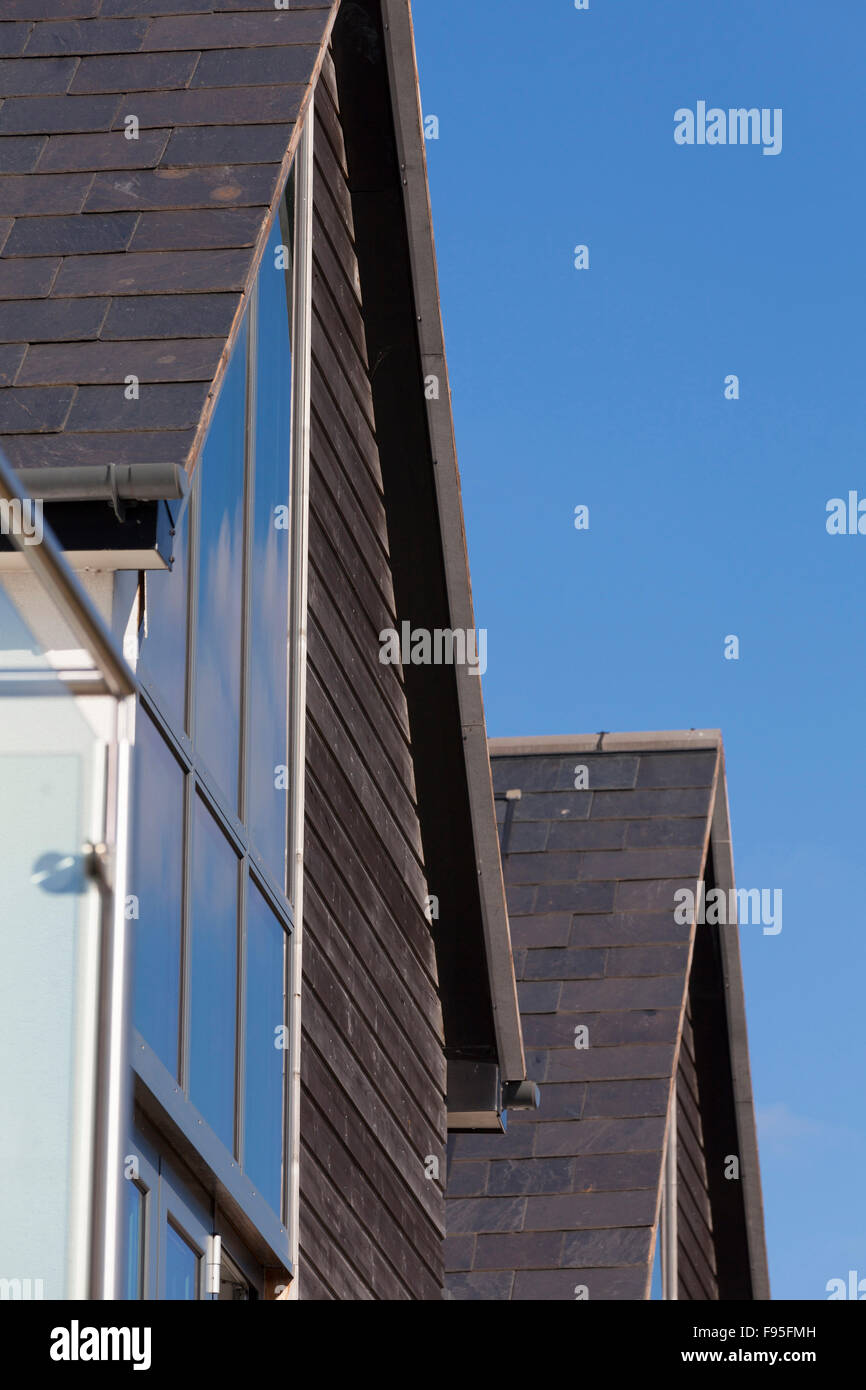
x=605 y=387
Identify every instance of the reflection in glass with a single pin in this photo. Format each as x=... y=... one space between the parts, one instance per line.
x=263 y=1072
x=268 y=743
x=213 y=975
x=181 y=1266
x=157 y=873
x=220 y=493
x=162 y=660
x=133 y=1201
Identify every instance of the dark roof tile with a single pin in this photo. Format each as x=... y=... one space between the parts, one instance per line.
x=295 y=26
x=194 y=359
x=168 y=316
x=109 y=151
x=87 y=36
x=24 y=77
x=138 y=72
x=176 y=407
x=150 y=272
x=74 y=450
x=19 y=154
x=27 y=279
x=221 y=144
x=209 y=106
x=242 y=67
x=39 y=236
x=32 y=194
x=197 y=230
x=50 y=115
x=236 y=186
x=36 y=408
x=13 y=37
x=11 y=355
x=51 y=320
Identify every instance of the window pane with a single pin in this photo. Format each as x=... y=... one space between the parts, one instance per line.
x=157 y=871
x=263 y=1069
x=220 y=491
x=162 y=660
x=181 y=1266
x=268 y=744
x=213 y=975
x=134 y=1230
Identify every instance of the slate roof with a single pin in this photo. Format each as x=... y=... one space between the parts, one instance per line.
x=132 y=257
x=569 y=1196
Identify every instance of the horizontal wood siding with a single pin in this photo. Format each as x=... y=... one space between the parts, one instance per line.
x=373 y=1073
x=696 y=1248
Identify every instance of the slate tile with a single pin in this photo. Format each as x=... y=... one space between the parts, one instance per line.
x=198 y=230
x=641 y=864
x=486 y=1288
x=549 y=1030
x=538 y=998
x=170 y=407
x=567 y=964
x=11 y=356
x=631 y=1026
x=589 y=995
x=601 y=1136
x=170 y=316
x=627 y=929
x=467 y=1179
x=225 y=144
x=680 y=801
x=19 y=154
x=466 y=1216
x=192 y=7
x=35 y=409
x=110 y=151
x=254 y=67
x=139 y=72
x=25 y=77
x=42 y=236
x=62 y=450
x=553 y=930
x=516 y=1142
x=194 y=359
x=23 y=279
x=151 y=272
x=562 y=1101
x=553 y=806
x=578 y=1211
x=47 y=115
x=208 y=106
x=618 y=1172
x=50 y=193
x=590 y=1249
x=95 y=36
x=574 y=897
x=677 y=769
x=231 y=30
x=603 y=1285
x=520 y=899
x=626 y=1098
x=51 y=320
x=647 y=960
x=637 y=895
x=13 y=37
x=586 y=835
x=184 y=188
x=541 y=868
x=50 y=9
x=512 y=1176
x=664 y=834
x=5 y=229
x=459 y=1252
x=534 y=773
x=518 y=1251
x=630 y=1060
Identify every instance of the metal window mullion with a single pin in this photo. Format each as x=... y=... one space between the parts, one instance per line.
x=189 y=793
x=240 y=1010
x=300 y=456
x=670 y=1263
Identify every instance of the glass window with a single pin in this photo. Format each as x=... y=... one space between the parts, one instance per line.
x=181 y=1266
x=220 y=501
x=269 y=615
x=213 y=975
x=162 y=649
x=157 y=883
x=133 y=1273
x=265 y=1049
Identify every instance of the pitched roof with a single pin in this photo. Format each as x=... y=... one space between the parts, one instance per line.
x=125 y=256
x=570 y=1195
